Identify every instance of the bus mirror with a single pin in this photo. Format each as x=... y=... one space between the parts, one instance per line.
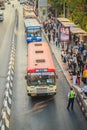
x=26 y=77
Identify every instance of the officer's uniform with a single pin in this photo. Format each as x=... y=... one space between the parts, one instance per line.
x=71 y=96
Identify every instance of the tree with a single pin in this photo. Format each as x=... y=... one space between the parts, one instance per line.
x=57 y=5
x=77 y=10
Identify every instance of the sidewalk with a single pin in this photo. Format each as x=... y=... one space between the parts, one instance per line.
x=82 y=100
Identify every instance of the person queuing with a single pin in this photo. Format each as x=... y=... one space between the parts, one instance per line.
x=74 y=77
x=56 y=39
x=78 y=78
x=84 y=76
x=49 y=37
x=53 y=36
x=84 y=55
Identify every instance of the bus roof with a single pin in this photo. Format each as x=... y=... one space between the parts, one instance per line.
x=32 y=24
x=39 y=57
x=28 y=8
x=29 y=15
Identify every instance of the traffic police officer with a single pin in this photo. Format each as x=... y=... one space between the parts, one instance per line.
x=71 y=96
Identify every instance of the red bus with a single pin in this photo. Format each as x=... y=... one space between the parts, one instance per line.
x=41 y=73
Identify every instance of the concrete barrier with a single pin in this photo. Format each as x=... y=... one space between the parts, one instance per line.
x=4 y=125
x=6 y=109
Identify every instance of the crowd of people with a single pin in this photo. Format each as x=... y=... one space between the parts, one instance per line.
x=74 y=56
x=50 y=27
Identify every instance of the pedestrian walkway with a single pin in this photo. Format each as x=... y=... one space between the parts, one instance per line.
x=81 y=98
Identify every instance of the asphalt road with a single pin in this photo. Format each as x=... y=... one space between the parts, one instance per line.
x=39 y=113
x=6 y=30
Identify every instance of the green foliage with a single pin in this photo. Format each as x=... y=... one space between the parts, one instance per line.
x=57 y=5
x=77 y=10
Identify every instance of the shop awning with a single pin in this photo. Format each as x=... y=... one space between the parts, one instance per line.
x=63 y=20
x=77 y=31
x=68 y=24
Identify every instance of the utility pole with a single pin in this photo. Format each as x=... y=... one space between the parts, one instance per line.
x=42 y=9
x=64 y=10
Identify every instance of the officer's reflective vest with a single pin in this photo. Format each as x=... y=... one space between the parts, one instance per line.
x=72 y=94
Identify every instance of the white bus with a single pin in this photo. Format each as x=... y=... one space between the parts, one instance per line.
x=33 y=30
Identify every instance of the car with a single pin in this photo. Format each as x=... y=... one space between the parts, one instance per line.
x=1 y=16
x=22 y=2
x=9 y=2
x=3 y=7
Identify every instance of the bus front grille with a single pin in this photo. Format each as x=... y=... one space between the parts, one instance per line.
x=41 y=90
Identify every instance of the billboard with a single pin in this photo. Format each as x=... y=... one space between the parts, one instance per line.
x=64 y=34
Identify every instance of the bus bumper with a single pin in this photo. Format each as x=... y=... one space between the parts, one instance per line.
x=41 y=94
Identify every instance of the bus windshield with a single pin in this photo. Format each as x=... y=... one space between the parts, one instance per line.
x=33 y=34
x=41 y=78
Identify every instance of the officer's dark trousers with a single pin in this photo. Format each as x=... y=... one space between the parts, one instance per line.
x=70 y=103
